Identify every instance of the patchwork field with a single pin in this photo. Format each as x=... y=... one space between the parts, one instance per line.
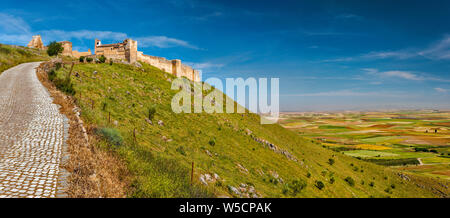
x=414 y=141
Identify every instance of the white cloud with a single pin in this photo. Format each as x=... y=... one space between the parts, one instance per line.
x=163 y=42
x=439 y=50
x=14 y=30
x=401 y=74
x=204 y=65
x=12 y=24
x=407 y=75
x=60 y=35
x=347 y=93
x=441 y=90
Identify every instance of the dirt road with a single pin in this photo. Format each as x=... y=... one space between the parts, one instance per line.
x=32 y=133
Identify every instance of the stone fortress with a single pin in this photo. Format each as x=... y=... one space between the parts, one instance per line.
x=125 y=51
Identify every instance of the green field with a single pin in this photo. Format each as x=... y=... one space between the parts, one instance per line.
x=395 y=136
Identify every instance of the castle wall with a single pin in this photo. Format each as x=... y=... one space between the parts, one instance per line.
x=78 y=54
x=174 y=67
x=127 y=50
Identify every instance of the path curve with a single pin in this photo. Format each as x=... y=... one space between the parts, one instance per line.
x=32 y=135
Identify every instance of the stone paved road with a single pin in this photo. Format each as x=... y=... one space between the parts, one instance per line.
x=31 y=135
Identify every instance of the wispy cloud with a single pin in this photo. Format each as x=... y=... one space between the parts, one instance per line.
x=348 y=17
x=14 y=30
x=204 y=65
x=347 y=93
x=439 y=50
x=163 y=42
x=441 y=90
x=59 y=35
x=13 y=24
x=405 y=75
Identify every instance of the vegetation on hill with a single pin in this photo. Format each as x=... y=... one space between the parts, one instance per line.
x=11 y=55
x=232 y=154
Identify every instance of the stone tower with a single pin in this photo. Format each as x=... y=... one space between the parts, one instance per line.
x=131 y=50
x=36 y=42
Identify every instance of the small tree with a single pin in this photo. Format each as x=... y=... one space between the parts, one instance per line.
x=81 y=59
x=89 y=60
x=102 y=59
x=54 y=48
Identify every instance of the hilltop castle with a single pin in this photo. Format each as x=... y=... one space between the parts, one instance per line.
x=125 y=51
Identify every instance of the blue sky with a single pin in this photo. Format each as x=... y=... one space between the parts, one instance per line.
x=329 y=55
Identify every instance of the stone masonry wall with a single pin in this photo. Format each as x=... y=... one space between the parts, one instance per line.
x=174 y=67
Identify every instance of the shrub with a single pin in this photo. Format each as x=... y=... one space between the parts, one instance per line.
x=54 y=48
x=308 y=175
x=371 y=184
x=331 y=161
x=320 y=185
x=297 y=186
x=350 y=180
x=212 y=142
x=393 y=186
x=89 y=60
x=151 y=112
x=58 y=66
x=102 y=59
x=112 y=135
x=81 y=59
x=332 y=180
x=110 y=61
x=64 y=85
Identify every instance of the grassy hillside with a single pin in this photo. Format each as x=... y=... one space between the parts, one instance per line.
x=222 y=144
x=11 y=55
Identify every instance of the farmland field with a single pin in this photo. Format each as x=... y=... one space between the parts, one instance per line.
x=414 y=141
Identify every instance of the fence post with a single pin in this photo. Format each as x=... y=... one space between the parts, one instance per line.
x=192 y=173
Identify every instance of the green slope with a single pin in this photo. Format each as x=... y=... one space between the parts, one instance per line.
x=11 y=55
x=217 y=144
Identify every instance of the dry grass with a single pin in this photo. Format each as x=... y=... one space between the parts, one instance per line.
x=95 y=172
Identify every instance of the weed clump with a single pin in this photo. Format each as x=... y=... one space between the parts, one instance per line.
x=111 y=135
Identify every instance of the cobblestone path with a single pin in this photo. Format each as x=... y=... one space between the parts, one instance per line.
x=32 y=132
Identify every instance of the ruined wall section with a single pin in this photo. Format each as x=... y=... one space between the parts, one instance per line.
x=69 y=52
x=36 y=42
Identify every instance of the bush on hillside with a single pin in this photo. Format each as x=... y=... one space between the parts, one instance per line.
x=65 y=85
x=297 y=186
x=111 y=135
x=350 y=180
x=331 y=161
x=320 y=185
x=54 y=48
